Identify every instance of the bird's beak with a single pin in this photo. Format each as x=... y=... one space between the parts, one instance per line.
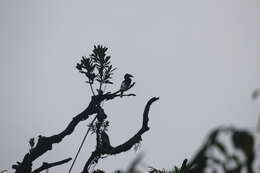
x=130 y=75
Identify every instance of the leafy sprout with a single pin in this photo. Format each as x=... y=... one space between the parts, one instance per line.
x=97 y=67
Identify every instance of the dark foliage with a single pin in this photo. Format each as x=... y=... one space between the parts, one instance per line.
x=205 y=161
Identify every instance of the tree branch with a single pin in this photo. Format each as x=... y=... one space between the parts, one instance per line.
x=44 y=144
x=106 y=147
x=49 y=165
x=138 y=136
x=110 y=96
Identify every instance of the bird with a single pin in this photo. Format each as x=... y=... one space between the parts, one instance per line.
x=126 y=83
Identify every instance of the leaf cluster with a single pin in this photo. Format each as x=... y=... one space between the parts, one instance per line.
x=97 y=67
x=241 y=139
x=99 y=127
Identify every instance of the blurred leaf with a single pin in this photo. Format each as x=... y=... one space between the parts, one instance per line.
x=215 y=160
x=221 y=147
x=235 y=158
x=255 y=94
x=243 y=140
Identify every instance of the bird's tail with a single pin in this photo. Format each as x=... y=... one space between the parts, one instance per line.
x=121 y=94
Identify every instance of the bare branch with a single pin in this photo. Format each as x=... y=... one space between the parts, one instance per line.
x=124 y=95
x=109 y=96
x=49 y=165
x=138 y=136
x=44 y=144
x=106 y=147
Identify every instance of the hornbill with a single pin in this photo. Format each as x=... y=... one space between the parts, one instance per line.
x=126 y=83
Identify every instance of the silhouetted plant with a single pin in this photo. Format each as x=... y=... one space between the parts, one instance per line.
x=97 y=68
x=242 y=140
x=204 y=161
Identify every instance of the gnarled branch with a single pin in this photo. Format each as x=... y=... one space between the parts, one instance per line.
x=44 y=144
x=106 y=147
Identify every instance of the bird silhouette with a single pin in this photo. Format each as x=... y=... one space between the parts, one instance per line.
x=126 y=83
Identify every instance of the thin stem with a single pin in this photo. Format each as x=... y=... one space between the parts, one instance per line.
x=82 y=144
x=102 y=104
x=100 y=86
x=90 y=84
x=92 y=89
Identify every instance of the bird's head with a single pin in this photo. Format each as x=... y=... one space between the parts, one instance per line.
x=127 y=75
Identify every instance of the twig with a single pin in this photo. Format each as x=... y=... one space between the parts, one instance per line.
x=109 y=96
x=49 y=165
x=91 y=87
x=82 y=144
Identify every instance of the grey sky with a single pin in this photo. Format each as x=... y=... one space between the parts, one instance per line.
x=200 y=57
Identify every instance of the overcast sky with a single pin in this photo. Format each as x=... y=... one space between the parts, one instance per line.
x=200 y=57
